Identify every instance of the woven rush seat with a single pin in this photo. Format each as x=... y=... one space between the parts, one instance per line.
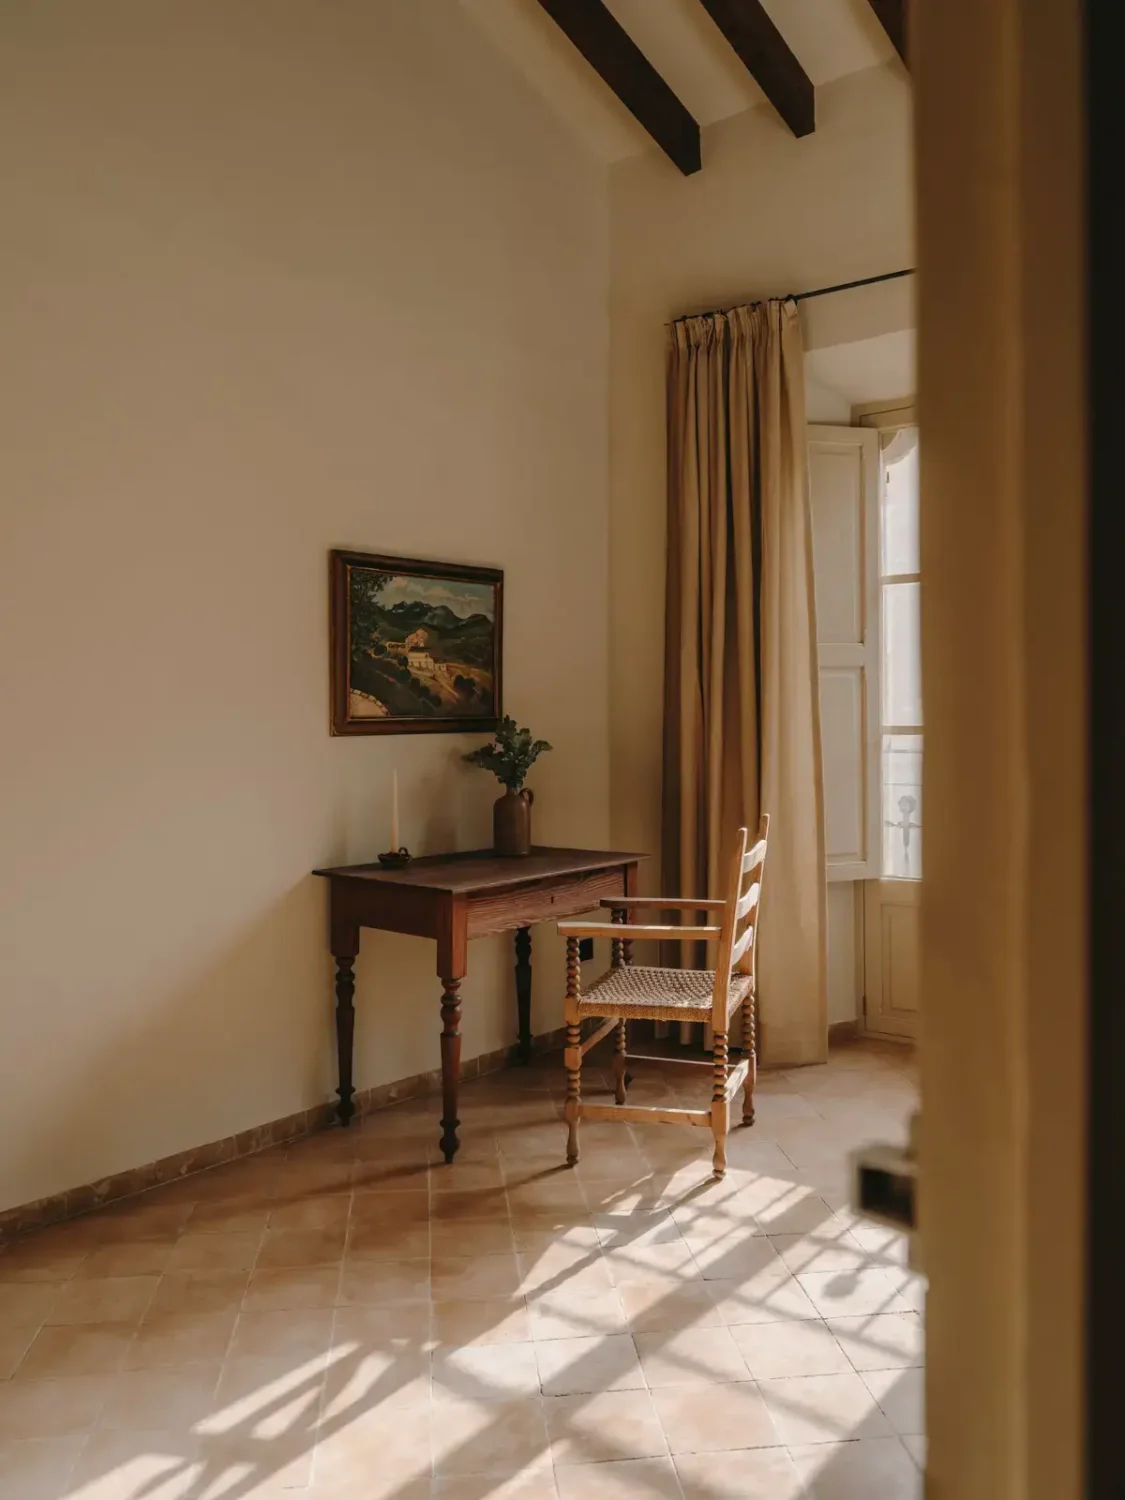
x=637 y=993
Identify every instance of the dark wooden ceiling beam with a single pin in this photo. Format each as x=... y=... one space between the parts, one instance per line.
x=612 y=53
x=766 y=56
x=892 y=18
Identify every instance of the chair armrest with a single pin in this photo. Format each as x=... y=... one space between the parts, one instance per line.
x=626 y=930
x=658 y=903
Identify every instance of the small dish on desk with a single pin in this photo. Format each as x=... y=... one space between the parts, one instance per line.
x=396 y=859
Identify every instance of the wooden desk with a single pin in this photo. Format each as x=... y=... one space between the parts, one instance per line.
x=452 y=898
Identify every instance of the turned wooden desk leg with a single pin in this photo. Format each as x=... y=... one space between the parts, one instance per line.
x=345 y=1034
x=450 y=1065
x=523 y=991
x=452 y=945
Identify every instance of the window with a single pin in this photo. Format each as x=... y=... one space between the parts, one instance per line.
x=901 y=666
x=863 y=489
x=863 y=483
x=844 y=469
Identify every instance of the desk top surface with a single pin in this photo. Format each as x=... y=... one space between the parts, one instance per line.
x=482 y=870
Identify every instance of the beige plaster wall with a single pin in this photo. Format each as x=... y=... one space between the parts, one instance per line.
x=274 y=276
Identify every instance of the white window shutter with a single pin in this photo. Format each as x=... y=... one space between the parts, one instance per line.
x=844 y=486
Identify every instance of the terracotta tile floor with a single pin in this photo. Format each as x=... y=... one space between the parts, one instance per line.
x=347 y=1318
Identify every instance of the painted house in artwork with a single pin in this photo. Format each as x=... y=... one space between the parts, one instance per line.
x=413 y=646
x=420 y=662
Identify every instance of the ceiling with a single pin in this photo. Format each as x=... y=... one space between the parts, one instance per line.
x=877 y=369
x=829 y=37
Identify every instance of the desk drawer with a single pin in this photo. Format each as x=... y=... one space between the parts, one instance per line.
x=550 y=901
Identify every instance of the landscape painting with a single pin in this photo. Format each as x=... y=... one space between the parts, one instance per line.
x=416 y=646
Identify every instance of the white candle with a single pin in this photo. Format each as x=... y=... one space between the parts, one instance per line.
x=394 y=812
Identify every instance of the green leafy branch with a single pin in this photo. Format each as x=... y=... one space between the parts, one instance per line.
x=511 y=755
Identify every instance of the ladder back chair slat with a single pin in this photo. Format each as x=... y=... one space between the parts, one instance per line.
x=757 y=856
x=748 y=902
x=742 y=946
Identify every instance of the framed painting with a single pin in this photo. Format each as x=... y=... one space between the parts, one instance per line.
x=417 y=647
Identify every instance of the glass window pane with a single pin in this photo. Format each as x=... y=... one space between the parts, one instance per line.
x=902 y=806
x=899 y=552
x=902 y=655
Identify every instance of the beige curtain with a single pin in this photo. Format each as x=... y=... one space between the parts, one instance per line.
x=742 y=717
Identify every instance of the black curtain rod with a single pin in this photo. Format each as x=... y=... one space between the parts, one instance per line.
x=820 y=291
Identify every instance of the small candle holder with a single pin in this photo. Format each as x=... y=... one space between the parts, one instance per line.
x=396 y=859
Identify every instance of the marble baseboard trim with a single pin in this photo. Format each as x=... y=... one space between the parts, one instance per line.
x=423 y=1084
x=26 y=1217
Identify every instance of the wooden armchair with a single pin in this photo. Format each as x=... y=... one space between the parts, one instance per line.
x=626 y=992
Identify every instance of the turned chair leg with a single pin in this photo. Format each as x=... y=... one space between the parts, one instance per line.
x=573 y=1055
x=573 y=1104
x=621 y=1077
x=750 y=1051
x=720 y=1105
